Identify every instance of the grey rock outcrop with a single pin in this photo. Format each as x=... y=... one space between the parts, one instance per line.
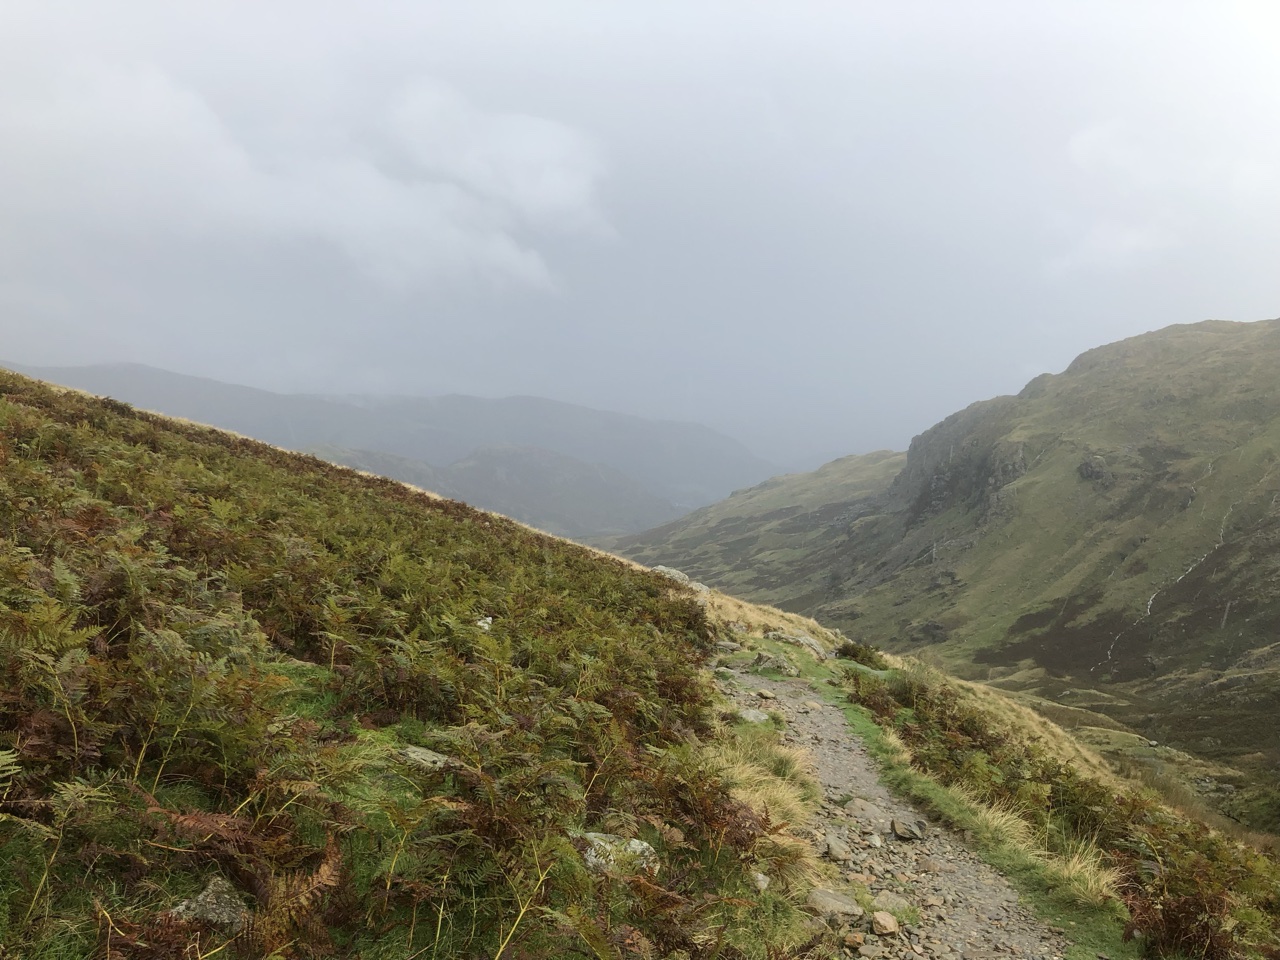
x=218 y=904
x=829 y=903
x=606 y=853
x=672 y=574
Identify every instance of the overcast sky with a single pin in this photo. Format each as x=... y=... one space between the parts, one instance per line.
x=819 y=227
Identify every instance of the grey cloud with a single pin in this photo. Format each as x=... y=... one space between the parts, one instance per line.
x=817 y=226
x=128 y=150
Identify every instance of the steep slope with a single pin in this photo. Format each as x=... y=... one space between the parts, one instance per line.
x=253 y=704
x=684 y=463
x=766 y=542
x=1109 y=538
x=544 y=489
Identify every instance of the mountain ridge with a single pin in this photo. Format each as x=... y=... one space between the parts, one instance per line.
x=669 y=466
x=1108 y=537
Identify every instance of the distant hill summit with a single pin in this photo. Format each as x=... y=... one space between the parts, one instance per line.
x=1109 y=538
x=598 y=473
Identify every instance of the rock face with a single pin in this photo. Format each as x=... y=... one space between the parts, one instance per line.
x=217 y=904
x=1095 y=469
x=893 y=558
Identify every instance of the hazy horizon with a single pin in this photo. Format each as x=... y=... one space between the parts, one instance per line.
x=818 y=229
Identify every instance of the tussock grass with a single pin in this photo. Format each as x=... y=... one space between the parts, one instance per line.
x=1084 y=876
x=779 y=783
x=896 y=747
x=761 y=618
x=995 y=822
x=768 y=776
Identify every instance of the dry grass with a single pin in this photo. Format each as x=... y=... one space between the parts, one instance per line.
x=899 y=751
x=758 y=618
x=779 y=782
x=1077 y=869
x=1027 y=723
x=1083 y=876
x=996 y=824
x=767 y=775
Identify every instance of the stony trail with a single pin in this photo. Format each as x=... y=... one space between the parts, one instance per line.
x=966 y=910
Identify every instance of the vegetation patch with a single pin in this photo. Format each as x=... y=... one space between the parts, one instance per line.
x=252 y=704
x=1186 y=889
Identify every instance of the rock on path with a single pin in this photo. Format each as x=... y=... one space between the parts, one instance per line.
x=966 y=910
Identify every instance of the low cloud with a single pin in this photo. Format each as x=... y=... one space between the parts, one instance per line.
x=1141 y=190
x=435 y=189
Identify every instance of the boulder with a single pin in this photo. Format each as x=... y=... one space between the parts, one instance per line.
x=799 y=640
x=883 y=924
x=890 y=902
x=608 y=853
x=779 y=663
x=218 y=905
x=672 y=574
x=828 y=903
x=426 y=759
x=908 y=830
x=750 y=715
x=837 y=849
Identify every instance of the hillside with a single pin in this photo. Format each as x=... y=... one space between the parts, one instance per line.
x=253 y=704
x=544 y=489
x=1108 y=539
x=256 y=705
x=648 y=470
x=765 y=542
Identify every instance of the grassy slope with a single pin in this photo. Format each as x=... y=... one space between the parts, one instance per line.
x=757 y=543
x=685 y=463
x=992 y=550
x=214 y=656
x=544 y=489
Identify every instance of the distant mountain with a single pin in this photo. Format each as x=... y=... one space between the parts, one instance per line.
x=545 y=489
x=637 y=472
x=1109 y=538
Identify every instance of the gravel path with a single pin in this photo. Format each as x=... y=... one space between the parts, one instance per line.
x=967 y=910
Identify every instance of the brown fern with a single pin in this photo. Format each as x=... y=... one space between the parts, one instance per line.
x=291 y=919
